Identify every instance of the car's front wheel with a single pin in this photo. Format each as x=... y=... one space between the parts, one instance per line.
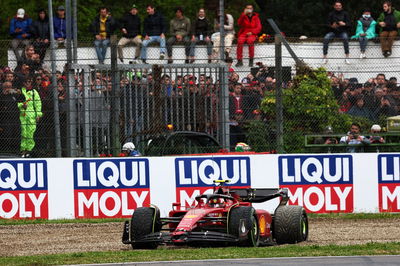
x=145 y=220
x=290 y=224
x=242 y=223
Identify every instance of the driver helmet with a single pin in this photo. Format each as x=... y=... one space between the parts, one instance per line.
x=217 y=203
x=241 y=147
x=129 y=146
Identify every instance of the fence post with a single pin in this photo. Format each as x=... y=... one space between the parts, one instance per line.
x=222 y=30
x=56 y=113
x=158 y=120
x=115 y=103
x=71 y=113
x=68 y=21
x=75 y=30
x=87 y=141
x=225 y=107
x=278 y=90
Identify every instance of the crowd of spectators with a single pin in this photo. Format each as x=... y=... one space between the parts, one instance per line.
x=371 y=99
x=25 y=89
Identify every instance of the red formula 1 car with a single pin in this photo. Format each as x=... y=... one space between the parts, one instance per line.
x=224 y=217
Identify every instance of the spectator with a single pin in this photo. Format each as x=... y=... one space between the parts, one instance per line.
x=19 y=30
x=250 y=27
x=44 y=135
x=30 y=58
x=369 y=97
x=10 y=126
x=102 y=27
x=327 y=139
x=359 y=109
x=229 y=30
x=380 y=81
x=344 y=102
x=392 y=83
x=201 y=32
x=354 y=138
x=60 y=25
x=365 y=31
x=25 y=71
x=41 y=34
x=30 y=114
x=339 y=23
x=389 y=21
x=385 y=109
x=237 y=101
x=154 y=31
x=375 y=138
x=130 y=27
x=128 y=150
x=180 y=29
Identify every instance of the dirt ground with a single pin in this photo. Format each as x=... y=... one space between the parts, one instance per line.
x=20 y=240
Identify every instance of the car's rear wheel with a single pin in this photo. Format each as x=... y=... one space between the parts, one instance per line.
x=290 y=225
x=243 y=220
x=145 y=220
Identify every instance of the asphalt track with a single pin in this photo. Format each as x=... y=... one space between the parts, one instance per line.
x=298 y=261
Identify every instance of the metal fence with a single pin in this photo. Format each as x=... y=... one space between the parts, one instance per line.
x=103 y=106
x=148 y=100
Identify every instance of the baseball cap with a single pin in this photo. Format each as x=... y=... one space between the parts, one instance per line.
x=61 y=8
x=134 y=6
x=20 y=13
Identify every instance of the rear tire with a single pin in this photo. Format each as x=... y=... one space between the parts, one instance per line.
x=290 y=225
x=246 y=214
x=145 y=220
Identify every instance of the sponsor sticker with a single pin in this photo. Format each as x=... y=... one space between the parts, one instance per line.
x=110 y=188
x=320 y=184
x=389 y=183
x=195 y=176
x=23 y=190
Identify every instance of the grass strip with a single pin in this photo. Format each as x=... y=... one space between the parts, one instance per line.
x=311 y=215
x=168 y=254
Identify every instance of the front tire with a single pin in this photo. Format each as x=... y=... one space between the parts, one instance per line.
x=244 y=216
x=145 y=220
x=290 y=225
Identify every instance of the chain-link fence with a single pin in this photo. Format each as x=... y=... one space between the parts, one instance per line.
x=104 y=106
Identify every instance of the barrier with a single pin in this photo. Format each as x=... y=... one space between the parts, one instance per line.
x=113 y=187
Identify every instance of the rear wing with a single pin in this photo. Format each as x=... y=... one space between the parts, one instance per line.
x=259 y=195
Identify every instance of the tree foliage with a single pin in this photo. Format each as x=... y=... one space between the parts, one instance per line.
x=309 y=106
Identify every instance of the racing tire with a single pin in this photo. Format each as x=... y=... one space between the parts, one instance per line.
x=290 y=225
x=144 y=221
x=239 y=216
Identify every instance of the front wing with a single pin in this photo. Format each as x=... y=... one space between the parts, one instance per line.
x=180 y=238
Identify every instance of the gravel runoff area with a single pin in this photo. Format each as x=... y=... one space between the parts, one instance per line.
x=35 y=239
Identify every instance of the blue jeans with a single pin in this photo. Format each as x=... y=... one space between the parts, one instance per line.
x=193 y=45
x=101 y=49
x=363 y=43
x=331 y=35
x=152 y=39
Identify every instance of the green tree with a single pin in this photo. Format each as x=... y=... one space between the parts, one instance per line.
x=309 y=107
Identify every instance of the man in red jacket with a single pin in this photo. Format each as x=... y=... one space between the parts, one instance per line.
x=250 y=26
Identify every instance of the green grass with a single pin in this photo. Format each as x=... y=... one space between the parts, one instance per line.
x=59 y=221
x=311 y=215
x=167 y=254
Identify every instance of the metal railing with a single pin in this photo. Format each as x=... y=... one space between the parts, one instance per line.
x=91 y=122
